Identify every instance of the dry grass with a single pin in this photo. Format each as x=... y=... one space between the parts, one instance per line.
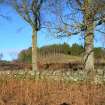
x=60 y=59
x=49 y=92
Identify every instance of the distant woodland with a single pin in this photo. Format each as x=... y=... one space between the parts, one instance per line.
x=74 y=50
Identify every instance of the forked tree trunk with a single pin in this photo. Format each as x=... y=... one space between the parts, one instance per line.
x=34 y=50
x=89 y=40
x=89 y=47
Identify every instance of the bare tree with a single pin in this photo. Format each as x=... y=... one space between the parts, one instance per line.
x=93 y=12
x=29 y=10
x=81 y=17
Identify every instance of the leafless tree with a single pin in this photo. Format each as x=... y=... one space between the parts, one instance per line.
x=29 y=10
x=79 y=17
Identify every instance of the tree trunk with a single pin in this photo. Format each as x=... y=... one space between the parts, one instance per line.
x=89 y=39
x=34 y=50
x=89 y=47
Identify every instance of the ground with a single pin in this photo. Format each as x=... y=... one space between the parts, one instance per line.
x=49 y=92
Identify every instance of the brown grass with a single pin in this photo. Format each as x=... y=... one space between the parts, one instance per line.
x=62 y=58
x=44 y=92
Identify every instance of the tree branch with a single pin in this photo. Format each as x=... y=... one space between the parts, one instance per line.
x=101 y=31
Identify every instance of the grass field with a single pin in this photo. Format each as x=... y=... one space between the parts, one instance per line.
x=59 y=59
x=55 y=62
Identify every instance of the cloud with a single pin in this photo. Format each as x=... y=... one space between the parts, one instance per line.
x=9 y=53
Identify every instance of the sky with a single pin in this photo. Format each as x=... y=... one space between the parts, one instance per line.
x=15 y=35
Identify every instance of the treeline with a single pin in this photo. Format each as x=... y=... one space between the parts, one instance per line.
x=74 y=50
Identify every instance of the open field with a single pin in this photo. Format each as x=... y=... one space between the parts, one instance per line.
x=49 y=92
x=50 y=62
x=62 y=58
x=50 y=87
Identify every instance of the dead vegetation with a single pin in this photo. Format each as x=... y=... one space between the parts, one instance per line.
x=50 y=92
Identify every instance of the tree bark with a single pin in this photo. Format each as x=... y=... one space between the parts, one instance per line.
x=34 y=50
x=89 y=47
x=89 y=39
